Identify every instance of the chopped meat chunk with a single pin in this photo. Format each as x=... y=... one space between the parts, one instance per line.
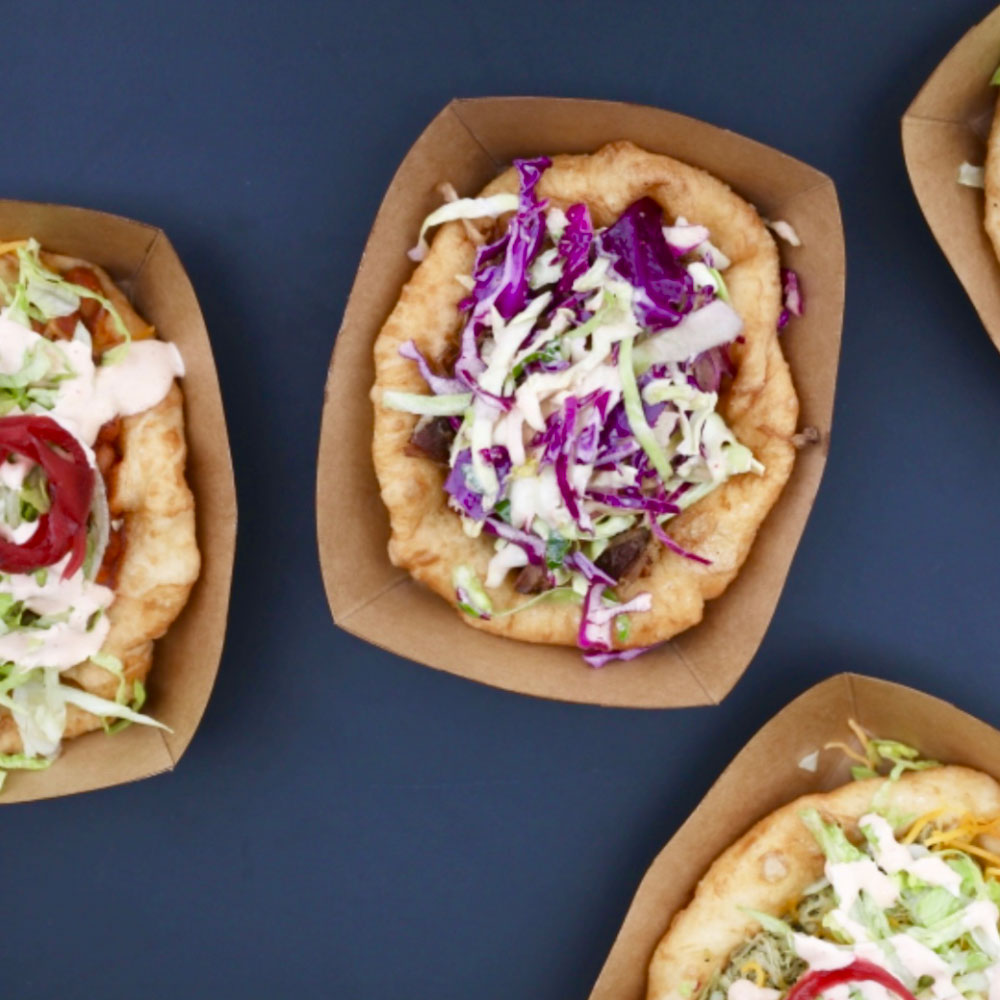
x=625 y=554
x=432 y=439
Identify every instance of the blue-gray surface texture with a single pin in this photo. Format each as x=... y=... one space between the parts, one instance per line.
x=346 y=823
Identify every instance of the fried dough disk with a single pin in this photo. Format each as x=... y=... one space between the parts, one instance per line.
x=160 y=560
x=704 y=934
x=760 y=406
x=991 y=174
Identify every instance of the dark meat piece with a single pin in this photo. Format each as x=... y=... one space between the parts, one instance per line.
x=531 y=580
x=624 y=555
x=433 y=439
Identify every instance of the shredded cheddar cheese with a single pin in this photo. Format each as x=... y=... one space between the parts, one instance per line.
x=979 y=852
x=848 y=751
x=920 y=823
x=871 y=757
x=968 y=828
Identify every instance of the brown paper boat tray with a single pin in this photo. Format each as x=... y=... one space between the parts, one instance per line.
x=765 y=775
x=467 y=144
x=140 y=258
x=947 y=124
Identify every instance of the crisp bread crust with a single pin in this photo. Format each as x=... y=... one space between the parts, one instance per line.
x=760 y=405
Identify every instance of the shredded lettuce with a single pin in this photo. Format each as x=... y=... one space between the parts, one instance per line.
x=830 y=837
x=926 y=924
x=138 y=700
x=37 y=381
x=42 y=294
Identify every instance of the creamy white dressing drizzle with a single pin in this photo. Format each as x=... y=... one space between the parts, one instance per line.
x=900 y=954
x=65 y=643
x=743 y=989
x=894 y=857
x=849 y=879
x=12 y=475
x=980 y=919
x=24 y=532
x=93 y=395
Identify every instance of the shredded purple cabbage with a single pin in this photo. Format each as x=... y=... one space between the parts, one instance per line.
x=642 y=257
x=598 y=660
x=792 y=300
x=438 y=385
x=574 y=247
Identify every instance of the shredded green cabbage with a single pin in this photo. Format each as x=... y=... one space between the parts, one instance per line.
x=636 y=417
x=431 y=406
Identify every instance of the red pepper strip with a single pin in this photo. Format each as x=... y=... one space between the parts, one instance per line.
x=812 y=984
x=71 y=487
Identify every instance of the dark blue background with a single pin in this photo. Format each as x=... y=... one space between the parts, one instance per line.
x=347 y=824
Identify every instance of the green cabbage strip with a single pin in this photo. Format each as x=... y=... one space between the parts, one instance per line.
x=102 y=707
x=721 y=290
x=478 y=604
x=490 y=207
x=641 y=430
x=472 y=596
x=429 y=406
x=557 y=594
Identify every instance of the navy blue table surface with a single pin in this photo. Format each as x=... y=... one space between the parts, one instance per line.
x=347 y=824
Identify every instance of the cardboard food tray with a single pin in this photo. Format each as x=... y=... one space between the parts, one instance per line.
x=765 y=775
x=468 y=143
x=140 y=258
x=948 y=124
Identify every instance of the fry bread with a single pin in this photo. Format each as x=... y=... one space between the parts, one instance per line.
x=992 y=182
x=776 y=859
x=760 y=405
x=160 y=561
